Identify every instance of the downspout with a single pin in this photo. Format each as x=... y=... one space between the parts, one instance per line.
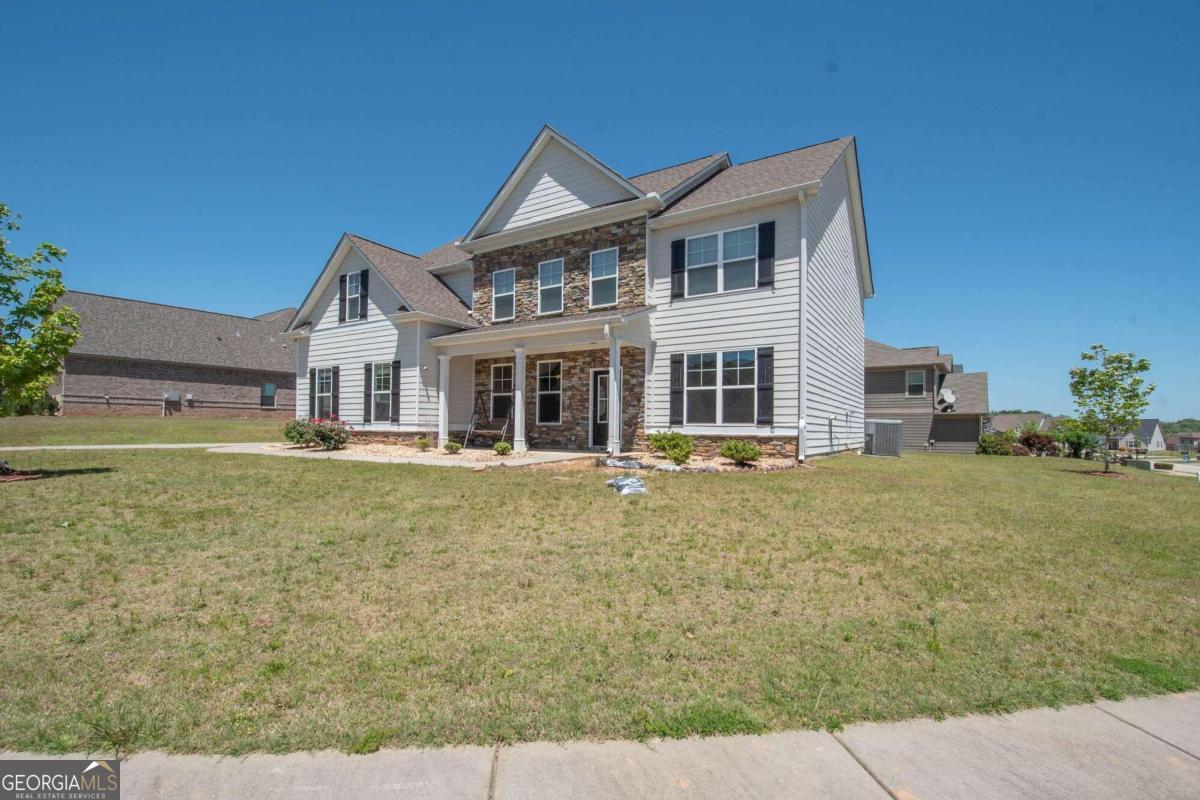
x=802 y=405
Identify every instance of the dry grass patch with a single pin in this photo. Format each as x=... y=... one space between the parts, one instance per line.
x=213 y=603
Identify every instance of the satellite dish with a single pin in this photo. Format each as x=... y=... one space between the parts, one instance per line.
x=947 y=396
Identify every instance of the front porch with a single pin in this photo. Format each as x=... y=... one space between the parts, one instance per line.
x=575 y=383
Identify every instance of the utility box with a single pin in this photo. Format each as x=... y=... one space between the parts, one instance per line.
x=883 y=437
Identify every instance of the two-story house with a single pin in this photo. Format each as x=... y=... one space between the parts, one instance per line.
x=584 y=309
x=943 y=408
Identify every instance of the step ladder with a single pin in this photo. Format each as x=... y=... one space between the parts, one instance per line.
x=482 y=413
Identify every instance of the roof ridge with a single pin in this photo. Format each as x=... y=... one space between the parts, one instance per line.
x=170 y=305
x=680 y=164
x=793 y=150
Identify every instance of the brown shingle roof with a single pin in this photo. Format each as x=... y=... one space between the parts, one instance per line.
x=763 y=175
x=410 y=277
x=971 y=389
x=445 y=254
x=878 y=354
x=1012 y=422
x=665 y=179
x=120 y=328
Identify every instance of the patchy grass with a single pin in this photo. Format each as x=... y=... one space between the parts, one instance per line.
x=24 y=431
x=198 y=602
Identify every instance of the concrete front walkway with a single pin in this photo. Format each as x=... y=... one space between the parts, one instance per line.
x=432 y=460
x=1146 y=748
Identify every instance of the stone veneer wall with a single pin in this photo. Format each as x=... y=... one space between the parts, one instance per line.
x=575 y=248
x=97 y=386
x=572 y=432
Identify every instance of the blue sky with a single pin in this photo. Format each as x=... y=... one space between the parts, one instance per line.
x=1030 y=171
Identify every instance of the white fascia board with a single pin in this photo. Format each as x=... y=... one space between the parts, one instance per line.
x=796 y=192
x=567 y=223
x=401 y=317
x=859 y=218
x=443 y=268
x=335 y=257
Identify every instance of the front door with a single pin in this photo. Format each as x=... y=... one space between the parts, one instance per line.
x=599 y=415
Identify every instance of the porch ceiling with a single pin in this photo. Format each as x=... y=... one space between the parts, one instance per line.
x=628 y=325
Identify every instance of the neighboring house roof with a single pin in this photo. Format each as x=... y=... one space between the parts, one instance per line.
x=971 y=389
x=277 y=318
x=795 y=167
x=878 y=354
x=117 y=327
x=1011 y=422
x=410 y=277
x=444 y=255
x=664 y=180
x=1146 y=430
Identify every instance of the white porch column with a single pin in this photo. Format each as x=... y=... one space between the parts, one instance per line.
x=614 y=396
x=519 y=445
x=443 y=400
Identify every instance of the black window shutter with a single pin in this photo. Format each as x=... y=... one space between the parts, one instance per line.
x=362 y=293
x=678 y=268
x=676 y=389
x=333 y=405
x=396 y=391
x=766 y=254
x=341 y=298
x=312 y=393
x=766 y=386
x=367 y=389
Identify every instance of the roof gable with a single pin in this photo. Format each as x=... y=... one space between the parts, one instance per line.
x=554 y=178
x=878 y=354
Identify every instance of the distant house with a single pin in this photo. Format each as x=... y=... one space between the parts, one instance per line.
x=943 y=408
x=1183 y=441
x=1002 y=423
x=137 y=358
x=1148 y=436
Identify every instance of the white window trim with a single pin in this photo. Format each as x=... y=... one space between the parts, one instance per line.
x=375 y=392
x=320 y=394
x=615 y=277
x=562 y=277
x=537 y=387
x=492 y=393
x=720 y=423
x=357 y=295
x=719 y=263
x=512 y=294
x=924 y=388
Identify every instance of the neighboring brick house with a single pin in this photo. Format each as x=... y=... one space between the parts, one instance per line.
x=135 y=358
x=1188 y=441
x=943 y=408
x=715 y=299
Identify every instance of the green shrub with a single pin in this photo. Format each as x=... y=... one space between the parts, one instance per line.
x=43 y=405
x=995 y=444
x=675 y=446
x=1077 y=441
x=331 y=434
x=740 y=451
x=422 y=443
x=299 y=431
x=453 y=448
x=502 y=448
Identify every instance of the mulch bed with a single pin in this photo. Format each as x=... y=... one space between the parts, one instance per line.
x=1099 y=473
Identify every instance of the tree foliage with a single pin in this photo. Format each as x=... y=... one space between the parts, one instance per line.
x=1111 y=395
x=35 y=336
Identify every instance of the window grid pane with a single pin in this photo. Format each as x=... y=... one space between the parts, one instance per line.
x=702 y=250
x=604 y=292
x=550 y=300
x=383 y=377
x=503 y=306
x=741 y=243
x=604 y=264
x=550 y=273
x=502 y=281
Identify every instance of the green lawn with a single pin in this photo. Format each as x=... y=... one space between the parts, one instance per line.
x=193 y=601
x=18 y=431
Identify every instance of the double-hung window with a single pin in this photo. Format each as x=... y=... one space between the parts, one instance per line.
x=549 y=392
x=266 y=397
x=353 y=295
x=722 y=262
x=720 y=388
x=502 y=390
x=381 y=391
x=914 y=381
x=324 y=406
x=550 y=286
x=503 y=294
x=603 y=278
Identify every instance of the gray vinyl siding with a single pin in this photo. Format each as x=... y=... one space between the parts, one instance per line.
x=956 y=434
x=833 y=321
x=887 y=391
x=461 y=281
x=350 y=345
x=751 y=318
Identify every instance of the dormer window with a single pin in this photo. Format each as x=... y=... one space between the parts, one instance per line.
x=503 y=294
x=550 y=286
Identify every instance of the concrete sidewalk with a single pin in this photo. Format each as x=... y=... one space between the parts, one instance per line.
x=1146 y=748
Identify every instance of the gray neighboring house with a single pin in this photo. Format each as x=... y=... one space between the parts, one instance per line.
x=943 y=408
x=135 y=358
x=1148 y=436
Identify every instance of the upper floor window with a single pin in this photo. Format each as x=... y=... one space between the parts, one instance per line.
x=550 y=286
x=266 y=397
x=353 y=295
x=603 y=278
x=381 y=391
x=720 y=387
x=722 y=262
x=324 y=404
x=914 y=380
x=503 y=294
